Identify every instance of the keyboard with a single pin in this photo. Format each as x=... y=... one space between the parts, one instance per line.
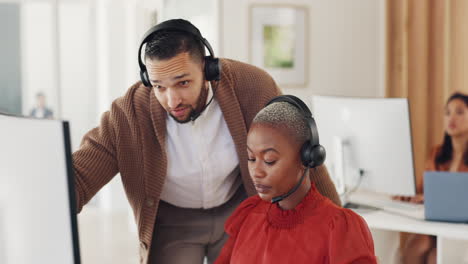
x=384 y=202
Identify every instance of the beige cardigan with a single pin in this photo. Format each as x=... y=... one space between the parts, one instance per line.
x=130 y=140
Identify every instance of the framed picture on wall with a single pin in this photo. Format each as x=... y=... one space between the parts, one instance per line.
x=278 y=42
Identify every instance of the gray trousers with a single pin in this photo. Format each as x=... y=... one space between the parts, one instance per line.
x=186 y=236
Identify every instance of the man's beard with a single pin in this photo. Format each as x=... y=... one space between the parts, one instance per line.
x=199 y=106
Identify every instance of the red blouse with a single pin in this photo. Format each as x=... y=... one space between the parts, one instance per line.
x=315 y=231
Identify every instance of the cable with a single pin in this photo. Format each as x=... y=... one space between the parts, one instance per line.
x=350 y=191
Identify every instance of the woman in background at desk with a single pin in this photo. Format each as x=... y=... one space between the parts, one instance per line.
x=452 y=155
x=289 y=221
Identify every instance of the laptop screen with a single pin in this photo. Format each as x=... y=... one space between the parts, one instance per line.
x=445 y=195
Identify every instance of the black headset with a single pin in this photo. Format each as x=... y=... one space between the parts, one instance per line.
x=212 y=66
x=312 y=153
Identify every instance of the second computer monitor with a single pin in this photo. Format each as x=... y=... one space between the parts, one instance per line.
x=369 y=137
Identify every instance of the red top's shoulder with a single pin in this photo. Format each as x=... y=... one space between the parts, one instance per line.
x=350 y=240
x=235 y=221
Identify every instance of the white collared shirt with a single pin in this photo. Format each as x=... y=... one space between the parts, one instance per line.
x=202 y=167
x=40 y=113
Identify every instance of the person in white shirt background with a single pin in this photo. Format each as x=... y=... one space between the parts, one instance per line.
x=41 y=110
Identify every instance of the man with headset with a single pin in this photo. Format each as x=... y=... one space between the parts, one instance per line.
x=178 y=140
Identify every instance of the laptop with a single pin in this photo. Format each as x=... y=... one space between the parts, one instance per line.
x=446 y=196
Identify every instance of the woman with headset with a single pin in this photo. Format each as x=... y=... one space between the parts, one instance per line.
x=452 y=155
x=289 y=221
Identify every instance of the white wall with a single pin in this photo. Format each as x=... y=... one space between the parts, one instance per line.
x=77 y=82
x=59 y=62
x=203 y=14
x=38 y=55
x=346 y=44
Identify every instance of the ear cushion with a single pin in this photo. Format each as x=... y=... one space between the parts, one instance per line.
x=212 y=69
x=312 y=156
x=144 y=78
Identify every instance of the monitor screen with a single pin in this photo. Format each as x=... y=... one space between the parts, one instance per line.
x=368 y=135
x=37 y=203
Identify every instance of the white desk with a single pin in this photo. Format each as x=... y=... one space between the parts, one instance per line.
x=446 y=233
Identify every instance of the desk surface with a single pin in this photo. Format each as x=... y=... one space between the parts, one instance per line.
x=380 y=219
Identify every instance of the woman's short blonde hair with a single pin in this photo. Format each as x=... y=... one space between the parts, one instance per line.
x=285 y=116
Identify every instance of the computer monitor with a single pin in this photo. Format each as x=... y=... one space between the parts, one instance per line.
x=368 y=143
x=37 y=202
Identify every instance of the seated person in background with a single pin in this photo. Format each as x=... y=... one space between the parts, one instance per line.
x=289 y=221
x=41 y=110
x=452 y=155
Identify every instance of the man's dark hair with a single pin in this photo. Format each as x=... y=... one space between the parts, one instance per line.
x=166 y=44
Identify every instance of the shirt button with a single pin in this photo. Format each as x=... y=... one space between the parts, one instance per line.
x=150 y=202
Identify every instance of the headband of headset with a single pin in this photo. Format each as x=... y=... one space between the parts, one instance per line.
x=299 y=104
x=212 y=66
x=179 y=25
